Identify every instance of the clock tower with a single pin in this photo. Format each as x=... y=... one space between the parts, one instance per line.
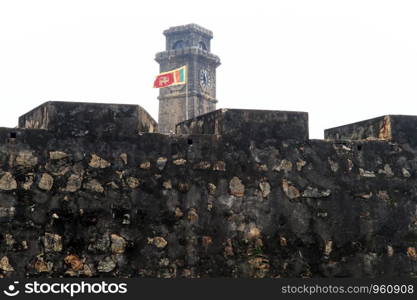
x=187 y=45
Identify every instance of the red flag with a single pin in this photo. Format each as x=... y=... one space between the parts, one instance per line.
x=163 y=80
x=173 y=77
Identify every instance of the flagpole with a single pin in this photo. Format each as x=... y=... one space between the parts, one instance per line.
x=186 y=94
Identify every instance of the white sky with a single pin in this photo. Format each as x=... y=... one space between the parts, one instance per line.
x=341 y=61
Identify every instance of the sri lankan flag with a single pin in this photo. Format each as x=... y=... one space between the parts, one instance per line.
x=174 y=77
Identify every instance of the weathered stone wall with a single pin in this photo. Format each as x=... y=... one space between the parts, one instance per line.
x=234 y=205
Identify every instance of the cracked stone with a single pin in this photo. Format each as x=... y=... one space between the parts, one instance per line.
x=383 y=195
x=74 y=183
x=411 y=253
x=74 y=262
x=390 y=250
x=300 y=164
x=366 y=195
x=202 y=165
x=178 y=213
x=26 y=159
x=164 y=262
x=334 y=166
x=291 y=191
x=253 y=233
x=145 y=165
x=219 y=166
x=167 y=185
x=132 y=182
x=350 y=165
x=206 y=241
x=52 y=242
x=228 y=249
x=365 y=173
x=212 y=189
x=28 y=182
x=265 y=188
x=100 y=244
x=262 y=168
x=183 y=187
x=7 y=182
x=9 y=239
x=94 y=185
x=260 y=265
x=327 y=247
x=285 y=165
x=106 y=265
x=387 y=171
x=5 y=265
x=118 y=244
x=55 y=155
x=236 y=187
x=311 y=192
x=158 y=241
x=192 y=215
x=87 y=270
x=7 y=212
x=123 y=157
x=161 y=162
x=405 y=172
x=42 y=266
x=179 y=162
x=113 y=185
x=46 y=182
x=98 y=162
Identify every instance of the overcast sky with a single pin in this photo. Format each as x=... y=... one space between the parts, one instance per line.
x=340 y=61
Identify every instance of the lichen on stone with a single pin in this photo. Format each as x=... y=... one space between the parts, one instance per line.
x=94 y=185
x=56 y=155
x=46 y=182
x=26 y=159
x=52 y=242
x=98 y=162
x=7 y=182
x=5 y=264
x=236 y=187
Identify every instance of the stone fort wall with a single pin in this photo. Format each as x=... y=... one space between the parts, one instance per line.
x=235 y=193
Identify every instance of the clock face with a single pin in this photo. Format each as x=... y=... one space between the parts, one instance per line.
x=206 y=80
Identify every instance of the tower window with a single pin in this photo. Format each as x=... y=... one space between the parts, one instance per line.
x=178 y=45
x=201 y=45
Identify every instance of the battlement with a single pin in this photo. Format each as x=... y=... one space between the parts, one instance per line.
x=89 y=119
x=258 y=124
x=395 y=128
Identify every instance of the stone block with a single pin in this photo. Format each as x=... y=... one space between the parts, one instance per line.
x=259 y=124
x=92 y=119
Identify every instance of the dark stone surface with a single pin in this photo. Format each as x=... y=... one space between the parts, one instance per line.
x=396 y=128
x=257 y=124
x=96 y=119
x=206 y=205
